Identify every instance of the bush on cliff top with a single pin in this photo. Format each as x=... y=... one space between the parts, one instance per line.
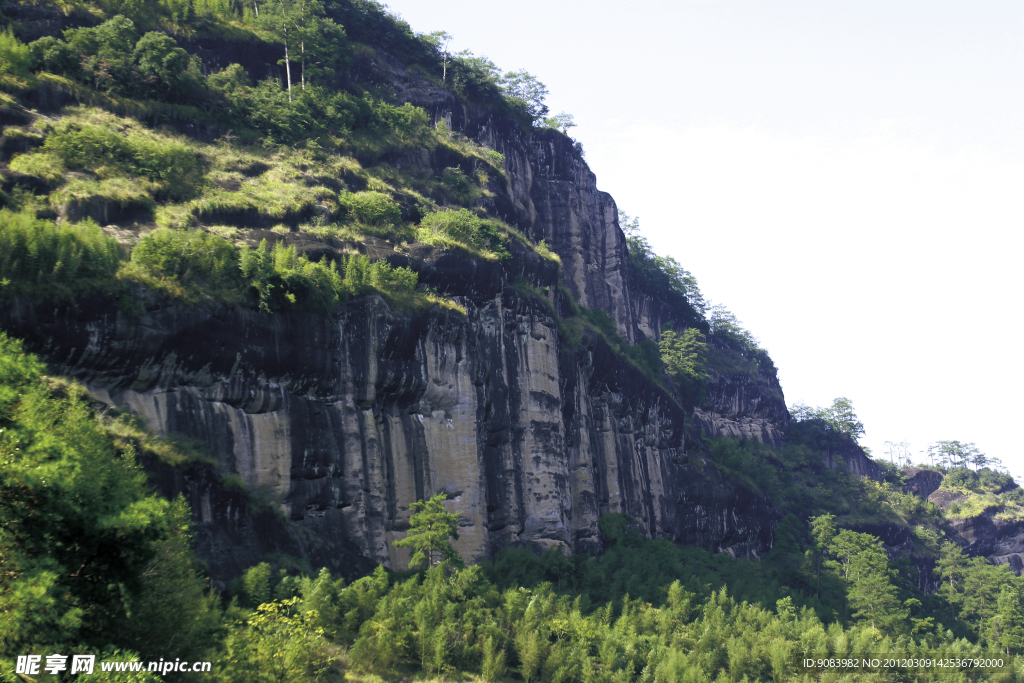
x=44 y=261
x=197 y=266
x=464 y=228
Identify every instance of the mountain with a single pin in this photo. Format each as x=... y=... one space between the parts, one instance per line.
x=306 y=303
x=344 y=418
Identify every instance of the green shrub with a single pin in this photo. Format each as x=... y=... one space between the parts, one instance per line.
x=281 y=278
x=170 y=165
x=465 y=228
x=43 y=165
x=361 y=275
x=662 y=276
x=991 y=480
x=1014 y=497
x=190 y=262
x=196 y=265
x=456 y=187
x=43 y=261
x=495 y=157
x=372 y=208
x=54 y=55
x=960 y=478
x=460 y=226
x=256 y=584
x=15 y=56
x=84 y=146
x=113 y=58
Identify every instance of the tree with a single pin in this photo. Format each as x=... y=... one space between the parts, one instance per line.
x=861 y=562
x=79 y=527
x=429 y=530
x=951 y=568
x=956 y=454
x=281 y=18
x=840 y=415
x=823 y=530
x=561 y=121
x=843 y=418
x=439 y=40
x=1009 y=622
x=899 y=453
x=163 y=65
x=321 y=41
x=277 y=643
x=524 y=90
x=684 y=358
x=661 y=274
x=727 y=328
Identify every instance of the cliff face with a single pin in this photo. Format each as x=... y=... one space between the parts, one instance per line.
x=340 y=421
x=742 y=406
x=1001 y=541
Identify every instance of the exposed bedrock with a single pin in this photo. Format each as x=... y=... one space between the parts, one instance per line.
x=743 y=407
x=342 y=421
x=999 y=540
x=921 y=481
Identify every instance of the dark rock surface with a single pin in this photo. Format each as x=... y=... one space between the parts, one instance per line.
x=341 y=421
x=922 y=482
x=852 y=458
x=944 y=498
x=999 y=540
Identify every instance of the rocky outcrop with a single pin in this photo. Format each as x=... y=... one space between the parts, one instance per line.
x=922 y=482
x=1001 y=541
x=854 y=460
x=742 y=406
x=341 y=421
x=945 y=498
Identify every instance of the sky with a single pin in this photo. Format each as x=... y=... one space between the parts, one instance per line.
x=846 y=177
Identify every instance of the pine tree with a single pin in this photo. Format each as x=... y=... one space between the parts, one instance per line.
x=429 y=531
x=1009 y=624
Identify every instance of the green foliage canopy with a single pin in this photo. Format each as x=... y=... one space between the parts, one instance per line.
x=840 y=416
x=430 y=527
x=81 y=537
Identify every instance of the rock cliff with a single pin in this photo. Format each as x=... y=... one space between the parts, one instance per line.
x=339 y=421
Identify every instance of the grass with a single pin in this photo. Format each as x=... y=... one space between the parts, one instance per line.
x=44 y=165
x=56 y=87
x=544 y=250
x=114 y=168
x=104 y=200
x=44 y=261
x=975 y=506
x=458 y=142
x=176 y=451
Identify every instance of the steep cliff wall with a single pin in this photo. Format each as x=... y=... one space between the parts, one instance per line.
x=342 y=420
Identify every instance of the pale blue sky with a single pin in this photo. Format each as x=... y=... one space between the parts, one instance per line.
x=846 y=177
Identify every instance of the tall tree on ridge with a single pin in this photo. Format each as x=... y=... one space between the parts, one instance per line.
x=281 y=17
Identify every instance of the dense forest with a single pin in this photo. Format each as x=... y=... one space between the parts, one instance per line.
x=135 y=172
